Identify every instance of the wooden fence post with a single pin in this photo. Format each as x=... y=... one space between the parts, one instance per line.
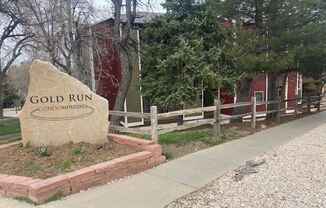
x=308 y=105
x=217 y=124
x=253 y=112
x=278 y=115
x=180 y=120
x=154 y=124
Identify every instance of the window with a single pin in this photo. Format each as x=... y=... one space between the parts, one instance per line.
x=280 y=90
x=259 y=96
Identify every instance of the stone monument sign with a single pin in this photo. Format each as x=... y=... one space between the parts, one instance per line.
x=60 y=109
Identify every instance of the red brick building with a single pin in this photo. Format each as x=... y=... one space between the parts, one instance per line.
x=108 y=75
x=107 y=69
x=259 y=88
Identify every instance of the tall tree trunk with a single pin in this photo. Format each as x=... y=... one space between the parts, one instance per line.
x=123 y=47
x=242 y=97
x=272 y=94
x=127 y=68
x=258 y=13
x=282 y=97
x=2 y=93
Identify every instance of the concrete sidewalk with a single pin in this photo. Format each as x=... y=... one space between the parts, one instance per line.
x=160 y=186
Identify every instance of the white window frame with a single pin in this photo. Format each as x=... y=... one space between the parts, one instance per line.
x=262 y=97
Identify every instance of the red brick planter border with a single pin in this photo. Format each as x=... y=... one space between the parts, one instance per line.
x=40 y=190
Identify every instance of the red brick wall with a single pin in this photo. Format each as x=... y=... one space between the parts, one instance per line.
x=40 y=190
x=226 y=98
x=106 y=62
x=258 y=84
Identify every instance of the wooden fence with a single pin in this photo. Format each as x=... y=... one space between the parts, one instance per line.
x=8 y=121
x=304 y=103
x=299 y=103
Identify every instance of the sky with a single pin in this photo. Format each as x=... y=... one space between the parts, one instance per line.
x=104 y=7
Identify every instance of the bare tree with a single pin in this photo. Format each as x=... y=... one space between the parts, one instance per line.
x=14 y=38
x=124 y=44
x=61 y=30
x=18 y=78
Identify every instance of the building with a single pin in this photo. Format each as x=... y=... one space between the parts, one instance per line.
x=259 y=88
x=107 y=67
x=108 y=75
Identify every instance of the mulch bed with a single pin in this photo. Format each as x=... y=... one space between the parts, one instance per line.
x=27 y=161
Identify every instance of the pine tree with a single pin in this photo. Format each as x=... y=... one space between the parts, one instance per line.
x=287 y=35
x=185 y=53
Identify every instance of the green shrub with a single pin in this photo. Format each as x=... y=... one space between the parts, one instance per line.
x=168 y=155
x=66 y=164
x=43 y=151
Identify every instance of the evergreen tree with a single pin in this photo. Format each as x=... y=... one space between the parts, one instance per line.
x=286 y=35
x=185 y=53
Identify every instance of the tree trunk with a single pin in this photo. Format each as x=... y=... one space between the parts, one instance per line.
x=258 y=13
x=123 y=47
x=127 y=68
x=2 y=93
x=242 y=97
x=285 y=76
x=272 y=95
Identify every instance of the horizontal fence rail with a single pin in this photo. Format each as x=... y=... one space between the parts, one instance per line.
x=185 y=112
x=9 y=121
x=187 y=126
x=129 y=130
x=235 y=105
x=130 y=114
x=300 y=103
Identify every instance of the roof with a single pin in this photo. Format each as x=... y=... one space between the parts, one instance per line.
x=141 y=18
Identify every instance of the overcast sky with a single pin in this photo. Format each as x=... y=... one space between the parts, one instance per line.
x=152 y=6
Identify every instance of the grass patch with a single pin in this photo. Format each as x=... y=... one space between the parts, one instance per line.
x=180 y=138
x=65 y=165
x=202 y=133
x=185 y=137
x=9 y=129
x=32 y=168
x=55 y=197
x=25 y=199
x=77 y=151
x=140 y=136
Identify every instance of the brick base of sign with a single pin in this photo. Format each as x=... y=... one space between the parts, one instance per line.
x=40 y=190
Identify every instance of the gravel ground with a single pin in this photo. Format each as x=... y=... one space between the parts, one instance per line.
x=293 y=175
